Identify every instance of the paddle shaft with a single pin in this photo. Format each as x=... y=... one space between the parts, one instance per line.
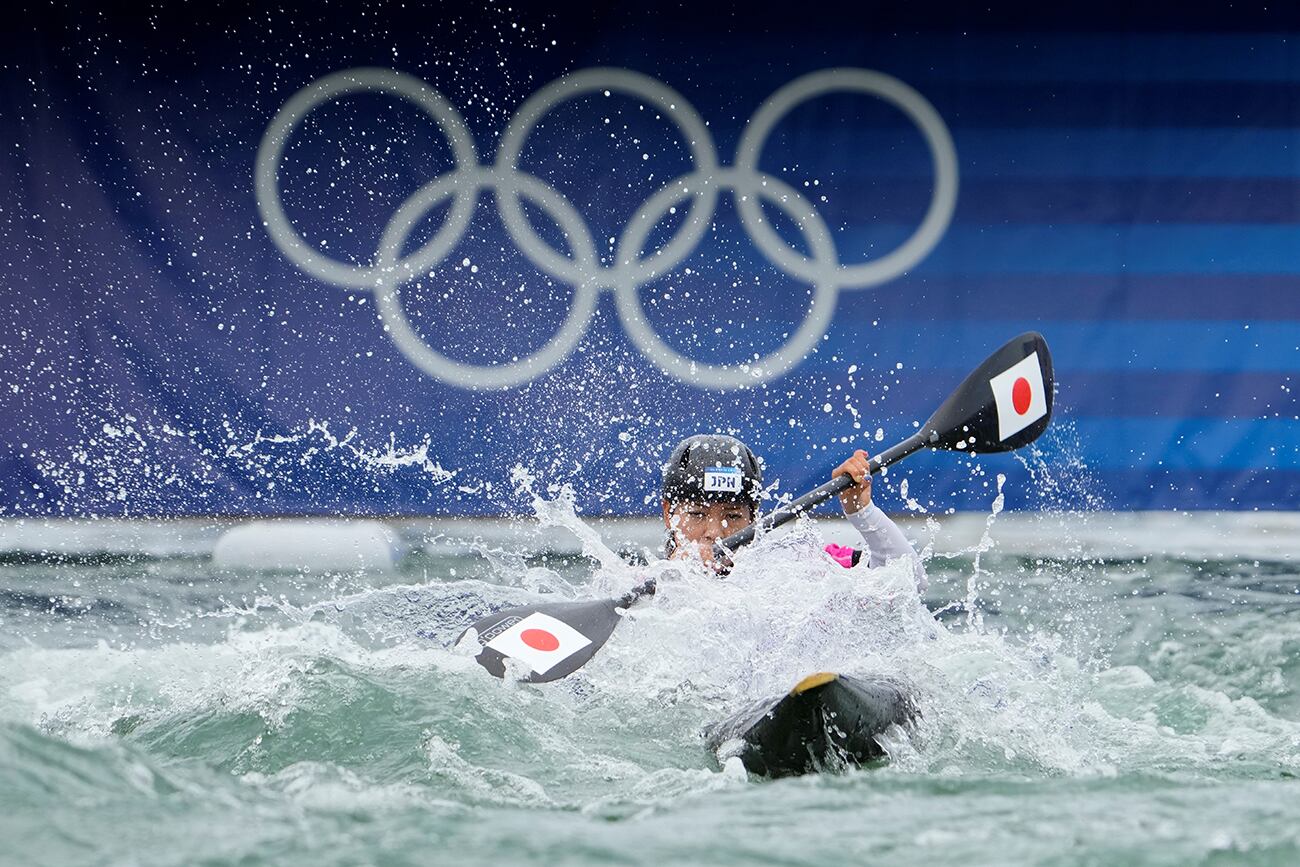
x=819 y=495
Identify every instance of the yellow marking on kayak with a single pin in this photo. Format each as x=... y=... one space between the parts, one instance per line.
x=813 y=681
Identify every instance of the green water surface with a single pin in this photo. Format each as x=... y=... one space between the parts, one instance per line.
x=1136 y=705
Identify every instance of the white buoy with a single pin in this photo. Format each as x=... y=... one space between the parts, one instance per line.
x=324 y=545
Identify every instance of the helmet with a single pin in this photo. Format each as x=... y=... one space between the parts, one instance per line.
x=710 y=468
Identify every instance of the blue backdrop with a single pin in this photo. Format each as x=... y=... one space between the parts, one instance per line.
x=373 y=259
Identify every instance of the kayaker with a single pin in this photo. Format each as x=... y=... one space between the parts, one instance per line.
x=712 y=485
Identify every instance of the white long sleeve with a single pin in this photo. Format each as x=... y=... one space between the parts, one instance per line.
x=885 y=541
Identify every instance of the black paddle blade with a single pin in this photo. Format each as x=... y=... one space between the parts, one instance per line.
x=1004 y=404
x=553 y=640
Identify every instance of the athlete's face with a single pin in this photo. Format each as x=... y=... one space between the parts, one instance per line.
x=696 y=526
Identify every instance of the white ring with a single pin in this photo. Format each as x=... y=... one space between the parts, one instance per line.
x=271 y=151
x=942 y=152
x=395 y=272
x=722 y=376
x=673 y=105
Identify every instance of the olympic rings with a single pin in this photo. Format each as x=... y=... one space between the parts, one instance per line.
x=632 y=268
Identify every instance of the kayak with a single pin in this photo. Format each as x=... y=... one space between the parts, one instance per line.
x=827 y=722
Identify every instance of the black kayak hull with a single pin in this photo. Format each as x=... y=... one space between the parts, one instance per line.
x=827 y=722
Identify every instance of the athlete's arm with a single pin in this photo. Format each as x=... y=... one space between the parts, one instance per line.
x=885 y=540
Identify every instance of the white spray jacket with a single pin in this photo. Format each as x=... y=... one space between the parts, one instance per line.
x=885 y=543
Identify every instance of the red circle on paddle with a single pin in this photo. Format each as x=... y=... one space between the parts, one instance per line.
x=539 y=639
x=1021 y=395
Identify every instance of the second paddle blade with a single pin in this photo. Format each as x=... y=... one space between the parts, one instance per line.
x=552 y=640
x=1004 y=404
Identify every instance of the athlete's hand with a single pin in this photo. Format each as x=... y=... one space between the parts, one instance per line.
x=858 y=495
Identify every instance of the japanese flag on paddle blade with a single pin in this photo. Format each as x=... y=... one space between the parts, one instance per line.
x=539 y=640
x=1020 y=396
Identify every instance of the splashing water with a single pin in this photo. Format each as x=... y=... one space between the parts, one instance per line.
x=308 y=725
x=560 y=512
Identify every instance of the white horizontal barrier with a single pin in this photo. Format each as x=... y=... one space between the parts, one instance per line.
x=318 y=545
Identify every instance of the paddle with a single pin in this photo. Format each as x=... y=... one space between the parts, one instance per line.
x=1004 y=404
